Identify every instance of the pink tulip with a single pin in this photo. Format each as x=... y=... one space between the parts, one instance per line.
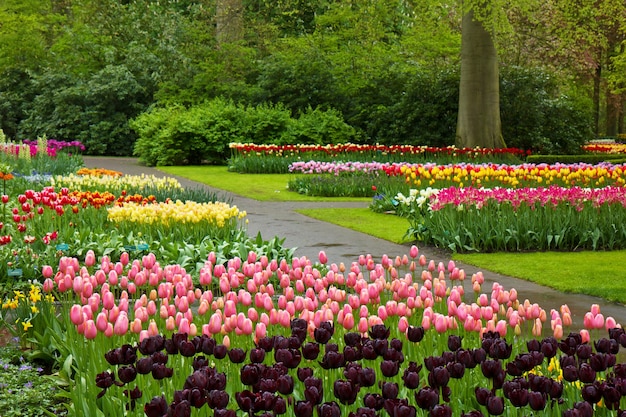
x=363 y=326
x=537 y=328
x=76 y=314
x=558 y=332
x=610 y=323
x=90 y=330
x=348 y=321
x=584 y=333
x=413 y=252
x=47 y=271
x=501 y=328
x=48 y=285
x=121 y=325
x=260 y=331
x=170 y=323
x=403 y=324
x=323 y=258
x=101 y=321
x=90 y=258
x=183 y=327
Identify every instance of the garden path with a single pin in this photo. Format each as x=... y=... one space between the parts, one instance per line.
x=343 y=245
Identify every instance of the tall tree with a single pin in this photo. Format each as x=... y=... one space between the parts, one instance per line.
x=479 y=90
x=229 y=21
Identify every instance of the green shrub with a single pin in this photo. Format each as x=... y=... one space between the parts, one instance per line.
x=315 y=126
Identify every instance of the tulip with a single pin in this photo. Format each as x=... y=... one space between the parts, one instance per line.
x=91 y=331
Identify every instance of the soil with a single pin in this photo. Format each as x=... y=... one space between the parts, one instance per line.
x=5 y=337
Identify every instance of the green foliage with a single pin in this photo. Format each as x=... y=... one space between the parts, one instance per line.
x=175 y=135
x=536 y=116
x=22 y=386
x=94 y=111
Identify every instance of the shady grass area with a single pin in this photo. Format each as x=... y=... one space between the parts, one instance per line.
x=595 y=273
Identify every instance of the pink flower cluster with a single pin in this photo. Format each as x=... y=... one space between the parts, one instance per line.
x=532 y=197
x=145 y=298
x=336 y=168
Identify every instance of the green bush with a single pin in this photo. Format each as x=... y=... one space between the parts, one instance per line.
x=176 y=135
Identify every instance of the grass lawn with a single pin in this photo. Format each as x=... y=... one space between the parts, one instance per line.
x=262 y=187
x=594 y=273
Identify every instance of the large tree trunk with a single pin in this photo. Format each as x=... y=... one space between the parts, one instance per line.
x=478 y=121
x=229 y=21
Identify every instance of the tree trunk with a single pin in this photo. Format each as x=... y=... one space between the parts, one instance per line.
x=478 y=121
x=229 y=21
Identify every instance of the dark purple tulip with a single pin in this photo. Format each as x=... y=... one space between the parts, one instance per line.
x=160 y=371
x=329 y=409
x=368 y=350
x=441 y=410
x=584 y=351
x=380 y=346
x=134 y=393
x=427 y=398
x=491 y=367
x=266 y=401
x=518 y=397
x=570 y=373
x=482 y=395
x=159 y=357
x=352 y=371
x=404 y=410
x=572 y=412
x=196 y=398
x=151 y=344
x=367 y=378
x=298 y=323
x=389 y=390
x=332 y=360
x=266 y=343
x=465 y=357
x=586 y=373
x=352 y=339
x=267 y=384
x=313 y=391
x=479 y=355
x=217 y=399
x=585 y=408
x=495 y=405
x=199 y=362
x=363 y=412
x=379 y=331
x=324 y=332
x=540 y=383
x=295 y=342
x=439 y=377
x=217 y=380
x=222 y=412
x=389 y=368
x=181 y=409
x=454 y=342
x=620 y=370
x=171 y=347
x=285 y=384
x=411 y=379
x=352 y=354
x=549 y=349
x=473 y=413
x=533 y=345
x=345 y=391
x=206 y=345
x=304 y=373
x=396 y=344
x=415 y=334
x=374 y=401
x=144 y=365
x=599 y=362
x=303 y=409
x=245 y=400
x=591 y=393
x=257 y=355
x=456 y=370
x=187 y=348
x=236 y=355
x=124 y=355
x=556 y=390
x=105 y=380
x=198 y=379
x=250 y=374
x=127 y=374
x=280 y=406
x=499 y=349
x=311 y=351
x=603 y=345
x=220 y=351
x=281 y=342
x=431 y=362
x=611 y=397
x=537 y=400
x=393 y=355
x=157 y=407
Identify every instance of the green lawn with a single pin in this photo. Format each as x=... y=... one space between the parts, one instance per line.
x=595 y=273
x=262 y=187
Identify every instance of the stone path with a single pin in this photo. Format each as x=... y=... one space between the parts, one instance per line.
x=344 y=245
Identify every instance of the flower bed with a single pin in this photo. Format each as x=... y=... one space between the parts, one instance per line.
x=507 y=219
x=399 y=336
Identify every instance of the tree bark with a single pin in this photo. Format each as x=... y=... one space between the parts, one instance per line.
x=478 y=122
x=229 y=21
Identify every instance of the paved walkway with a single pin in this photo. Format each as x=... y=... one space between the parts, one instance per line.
x=343 y=245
